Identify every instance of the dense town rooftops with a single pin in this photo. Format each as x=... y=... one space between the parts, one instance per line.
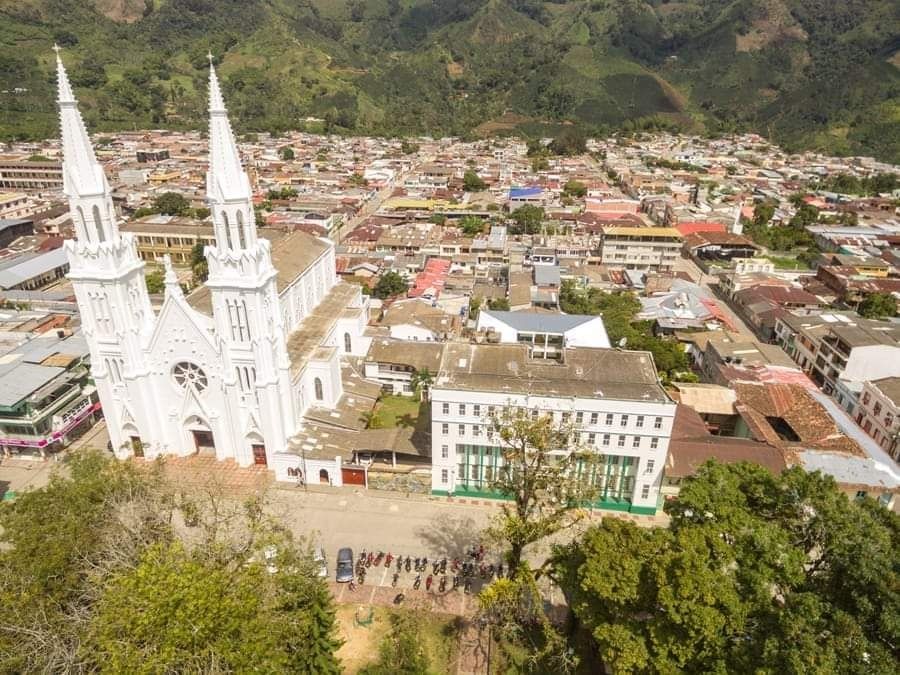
x=584 y=372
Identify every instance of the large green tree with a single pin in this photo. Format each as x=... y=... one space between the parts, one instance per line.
x=472 y=182
x=527 y=219
x=389 y=285
x=619 y=312
x=110 y=569
x=761 y=573
x=878 y=306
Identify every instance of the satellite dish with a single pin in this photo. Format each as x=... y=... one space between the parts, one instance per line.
x=623 y=342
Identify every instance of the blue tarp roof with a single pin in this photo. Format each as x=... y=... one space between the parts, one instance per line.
x=524 y=192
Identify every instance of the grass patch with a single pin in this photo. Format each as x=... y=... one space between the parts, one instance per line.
x=438 y=633
x=395 y=411
x=786 y=262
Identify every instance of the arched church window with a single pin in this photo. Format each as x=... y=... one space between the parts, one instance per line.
x=187 y=374
x=348 y=343
x=227 y=230
x=81 y=220
x=98 y=225
x=240 y=222
x=317 y=384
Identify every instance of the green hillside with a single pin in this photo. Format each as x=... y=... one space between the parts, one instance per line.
x=808 y=73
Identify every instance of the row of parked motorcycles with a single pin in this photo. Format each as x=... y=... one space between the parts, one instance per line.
x=461 y=572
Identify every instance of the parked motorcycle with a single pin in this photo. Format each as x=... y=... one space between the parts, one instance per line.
x=396 y=578
x=408 y=563
x=417 y=582
x=388 y=559
x=443 y=585
x=428 y=581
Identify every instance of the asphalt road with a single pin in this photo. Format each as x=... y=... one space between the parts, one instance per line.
x=403 y=526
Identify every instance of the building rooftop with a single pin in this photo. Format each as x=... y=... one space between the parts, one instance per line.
x=539 y=322
x=291 y=257
x=585 y=372
x=419 y=355
x=850 y=469
x=692 y=445
x=303 y=342
x=668 y=232
x=29 y=266
x=890 y=387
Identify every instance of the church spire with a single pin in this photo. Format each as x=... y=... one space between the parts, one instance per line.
x=84 y=182
x=227 y=185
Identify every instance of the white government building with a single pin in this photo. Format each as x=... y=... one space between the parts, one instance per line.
x=612 y=398
x=230 y=370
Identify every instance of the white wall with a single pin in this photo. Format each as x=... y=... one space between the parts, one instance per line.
x=408 y=331
x=546 y=404
x=589 y=334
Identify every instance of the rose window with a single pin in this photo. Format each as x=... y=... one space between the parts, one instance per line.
x=189 y=374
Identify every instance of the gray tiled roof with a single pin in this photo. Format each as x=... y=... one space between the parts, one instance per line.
x=539 y=322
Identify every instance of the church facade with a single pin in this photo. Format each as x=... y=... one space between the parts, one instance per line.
x=231 y=369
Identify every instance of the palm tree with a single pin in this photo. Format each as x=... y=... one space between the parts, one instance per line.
x=421 y=381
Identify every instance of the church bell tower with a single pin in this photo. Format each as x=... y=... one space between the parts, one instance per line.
x=246 y=306
x=107 y=275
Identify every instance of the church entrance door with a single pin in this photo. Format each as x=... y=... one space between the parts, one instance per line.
x=259 y=454
x=137 y=447
x=323 y=476
x=203 y=441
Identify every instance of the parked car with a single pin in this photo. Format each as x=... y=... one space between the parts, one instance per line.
x=321 y=563
x=343 y=569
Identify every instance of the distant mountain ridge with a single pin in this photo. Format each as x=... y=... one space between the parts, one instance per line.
x=808 y=73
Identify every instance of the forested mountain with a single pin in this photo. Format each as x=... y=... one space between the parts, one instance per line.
x=808 y=73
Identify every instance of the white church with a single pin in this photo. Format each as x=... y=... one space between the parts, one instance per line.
x=231 y=369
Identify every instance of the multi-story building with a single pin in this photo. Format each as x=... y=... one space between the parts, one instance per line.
x=840 y=352
x=15 y=205
x=30 y=176
x=612 y=398
x=878 y=413
x=46 y=396
x=641 y=248
x=160 y=235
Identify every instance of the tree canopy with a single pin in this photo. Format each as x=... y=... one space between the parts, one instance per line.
x=390 y=284
x=527 y=219
x=472 y=182
x=113 y=570
x=619 y=311
x=171 y=204
x=155 y=281
x=878 y=306
x=756 y=573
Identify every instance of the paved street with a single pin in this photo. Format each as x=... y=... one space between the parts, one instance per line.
x=371 y=206
x=403 y=526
